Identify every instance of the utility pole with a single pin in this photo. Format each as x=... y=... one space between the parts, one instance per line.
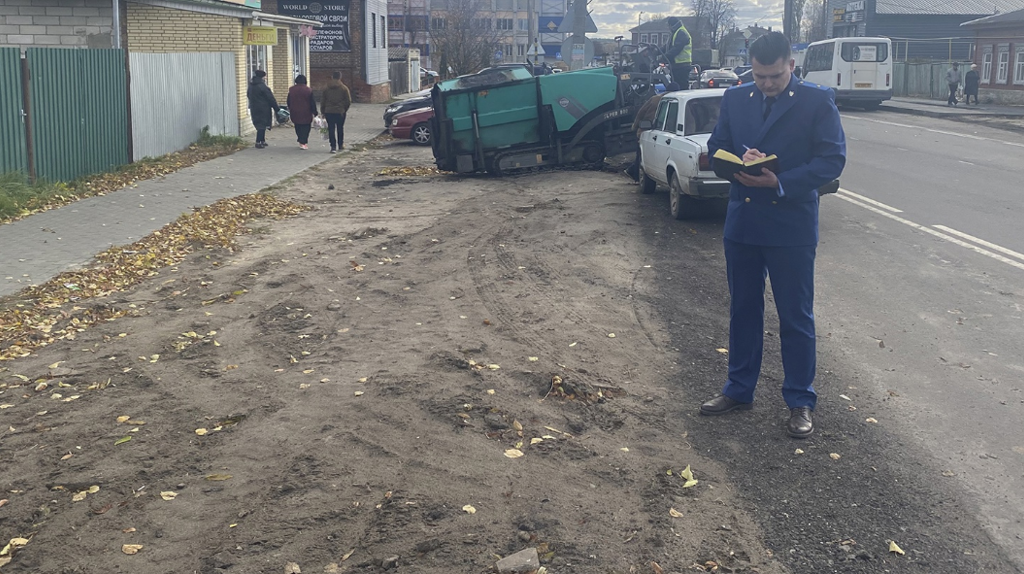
x=787 y=19
x=579 y=36
x=531 y=28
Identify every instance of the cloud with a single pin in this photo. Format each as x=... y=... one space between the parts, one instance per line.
x=617 y=18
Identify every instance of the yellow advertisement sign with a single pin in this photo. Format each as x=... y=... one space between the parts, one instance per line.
x=259 y=36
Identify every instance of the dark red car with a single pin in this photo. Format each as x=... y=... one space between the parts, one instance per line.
x=414 y=125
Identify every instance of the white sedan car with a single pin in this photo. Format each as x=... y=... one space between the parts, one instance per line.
x=674 y=152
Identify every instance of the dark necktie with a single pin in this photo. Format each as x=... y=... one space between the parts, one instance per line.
x=768 y=103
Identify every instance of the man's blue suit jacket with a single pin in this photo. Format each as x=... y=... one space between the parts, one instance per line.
x=804 y=130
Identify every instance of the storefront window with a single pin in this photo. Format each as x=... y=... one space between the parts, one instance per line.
x=256 y=58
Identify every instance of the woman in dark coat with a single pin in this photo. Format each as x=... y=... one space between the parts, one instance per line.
x=302 y=108
x=971 y=84
x=262 y=107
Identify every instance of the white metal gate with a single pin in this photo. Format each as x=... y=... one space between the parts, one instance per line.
x=175 y=95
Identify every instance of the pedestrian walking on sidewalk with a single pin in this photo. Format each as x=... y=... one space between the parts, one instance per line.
x=771 y=226
x=262 y=107
x=953 y=79
x=334 y=103
x=971 y=82
x=302 y=107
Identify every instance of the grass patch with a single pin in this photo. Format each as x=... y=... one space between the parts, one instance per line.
x=18 y=198
x=18 y=195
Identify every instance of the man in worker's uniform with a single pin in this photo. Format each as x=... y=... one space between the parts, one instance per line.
x=679 y=53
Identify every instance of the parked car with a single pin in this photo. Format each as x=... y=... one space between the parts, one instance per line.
x=717 y=79
x=425 y=73
x=416 y=103
x=674 y=151
x=414 y=125
x=739 y=70
x=745 y=78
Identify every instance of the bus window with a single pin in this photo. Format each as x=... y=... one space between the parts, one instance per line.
x=864 y=52
x=819 y=58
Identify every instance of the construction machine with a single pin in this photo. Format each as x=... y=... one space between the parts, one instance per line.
x=505 y=119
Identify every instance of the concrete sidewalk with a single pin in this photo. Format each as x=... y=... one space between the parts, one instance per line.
x=938 y=108
x=40 y=246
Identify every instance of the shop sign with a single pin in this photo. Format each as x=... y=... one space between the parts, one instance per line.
x=259 y=36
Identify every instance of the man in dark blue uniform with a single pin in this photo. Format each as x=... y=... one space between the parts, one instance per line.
x=771 y=227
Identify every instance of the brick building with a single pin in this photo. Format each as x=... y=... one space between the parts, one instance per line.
x=999 y=53
x=167 y=26
x=352 y=39
x=56 y=23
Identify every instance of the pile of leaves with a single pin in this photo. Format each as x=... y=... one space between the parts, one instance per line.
x=19 y=199
x=416 y=171
x=50 y=312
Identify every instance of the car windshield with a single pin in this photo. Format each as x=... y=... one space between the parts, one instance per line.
x=721 y=74
x=701 y=115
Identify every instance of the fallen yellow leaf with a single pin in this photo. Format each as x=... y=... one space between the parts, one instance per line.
x=536 y=440
x=201 y=432
x=513 y=453
x=218 y=477
x=533 y=359
x=168 y=495
x=79 y=497
x=358 y=393
x=894 y=548
x=675 y=513
x=722 y=350
x=131 y=549
x=94 y=489
x=835 y=456
x=468 y=509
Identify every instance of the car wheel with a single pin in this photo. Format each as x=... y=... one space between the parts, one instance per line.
x=421 y=134
x=647 y=185
x=680 y=205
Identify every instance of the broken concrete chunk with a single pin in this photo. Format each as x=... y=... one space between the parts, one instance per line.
x=522 y=562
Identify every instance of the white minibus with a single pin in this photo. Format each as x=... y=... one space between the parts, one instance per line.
x=859 y=70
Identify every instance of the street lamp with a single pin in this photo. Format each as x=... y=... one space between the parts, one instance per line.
x=640 y=15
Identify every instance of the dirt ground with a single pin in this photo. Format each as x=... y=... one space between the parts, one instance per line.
x=424 y=373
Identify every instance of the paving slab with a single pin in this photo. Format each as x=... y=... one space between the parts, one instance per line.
x=40 y=246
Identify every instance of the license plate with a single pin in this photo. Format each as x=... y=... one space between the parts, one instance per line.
x=863 y=85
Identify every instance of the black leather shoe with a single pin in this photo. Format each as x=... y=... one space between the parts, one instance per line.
x=721 y=404
x=800 y=423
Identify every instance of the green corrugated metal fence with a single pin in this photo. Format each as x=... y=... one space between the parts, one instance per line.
x=13 y=149
x=78 y=111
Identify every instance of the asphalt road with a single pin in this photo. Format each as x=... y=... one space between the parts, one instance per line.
x=919 y=304
x=936 y=276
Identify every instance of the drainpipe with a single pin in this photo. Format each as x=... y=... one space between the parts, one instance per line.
x=115 y=30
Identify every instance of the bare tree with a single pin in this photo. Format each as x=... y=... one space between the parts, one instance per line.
x=701 y=14
x=464 y=35
x=798 y=16
x=721 y=15
x=814 y=24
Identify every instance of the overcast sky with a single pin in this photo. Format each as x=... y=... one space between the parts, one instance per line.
x=616 y=18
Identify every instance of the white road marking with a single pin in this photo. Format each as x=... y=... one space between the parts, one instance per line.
x=967 y=162
x=931 y=231
x=981 y=242
x=871 y=201
x=943 y=132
